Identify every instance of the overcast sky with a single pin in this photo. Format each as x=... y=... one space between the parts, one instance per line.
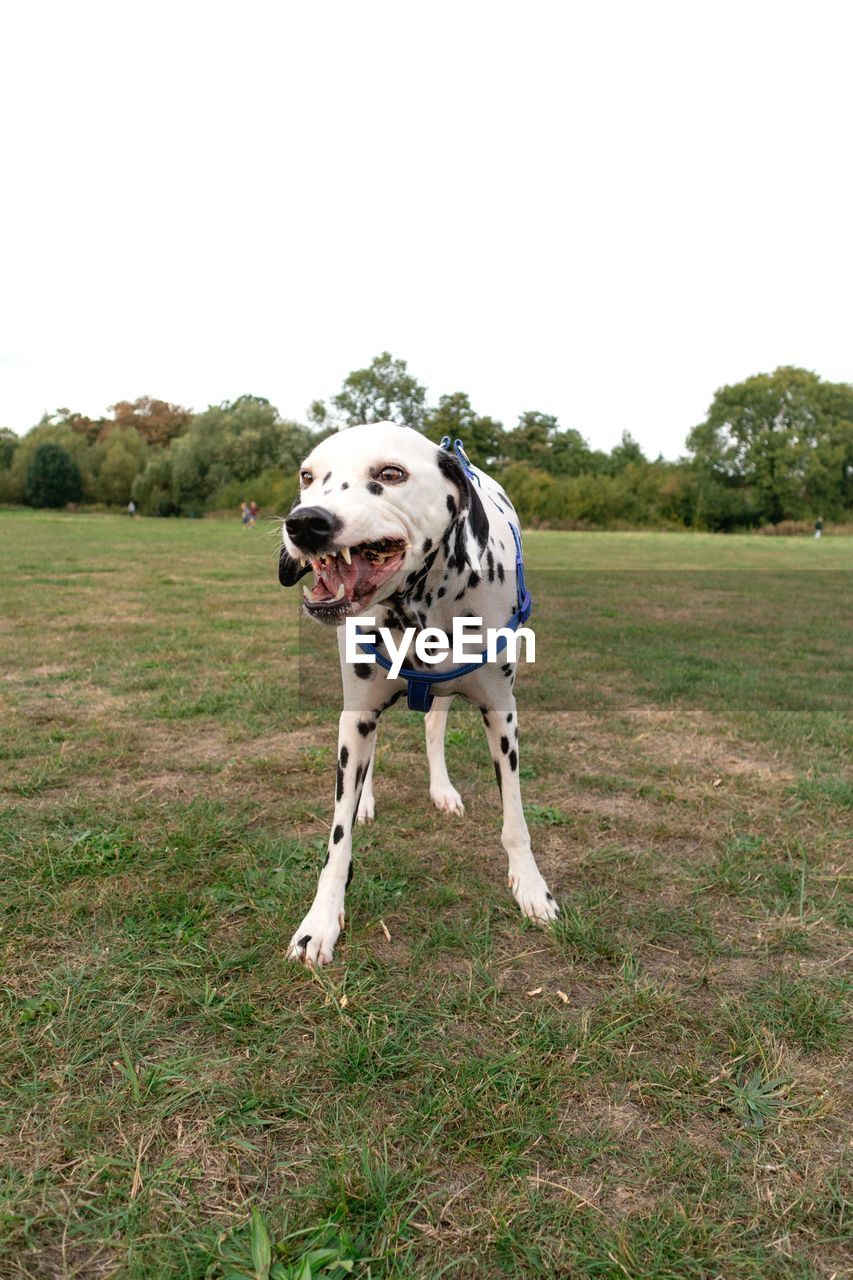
x=602 y=211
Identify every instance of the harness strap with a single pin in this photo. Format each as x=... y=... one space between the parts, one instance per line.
x=419 y=682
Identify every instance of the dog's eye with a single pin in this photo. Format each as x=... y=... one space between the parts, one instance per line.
x=392 y=475
x=306 y=478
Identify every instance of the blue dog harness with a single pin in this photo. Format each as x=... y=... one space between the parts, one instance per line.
x=418 y=682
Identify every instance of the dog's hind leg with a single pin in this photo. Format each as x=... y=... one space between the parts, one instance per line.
x=366 y=805
x=444 y=794
x=525 y=879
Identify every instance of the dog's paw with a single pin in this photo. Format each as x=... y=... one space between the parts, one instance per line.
x=314 y=940
x=534 y=898
x=366 y=809
x=448 y=800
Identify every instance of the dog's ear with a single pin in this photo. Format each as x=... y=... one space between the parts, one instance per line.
x=470 y=506
x=290 y=570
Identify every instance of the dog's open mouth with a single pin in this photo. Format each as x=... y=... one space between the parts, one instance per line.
x=345 y=578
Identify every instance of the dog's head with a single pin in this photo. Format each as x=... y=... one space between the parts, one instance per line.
x=374 y=501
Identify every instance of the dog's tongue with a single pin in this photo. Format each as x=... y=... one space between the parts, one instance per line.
x=357 y=577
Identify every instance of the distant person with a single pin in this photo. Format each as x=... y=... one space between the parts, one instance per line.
x=818 y=527
x=245 y=514
x=131 y=508
x=253 y=514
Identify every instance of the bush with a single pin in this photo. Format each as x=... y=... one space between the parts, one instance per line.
x=53 y=478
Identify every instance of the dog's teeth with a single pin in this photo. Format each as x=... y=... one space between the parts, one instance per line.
x=344 y=551
x=341 y=592
x=308 y=594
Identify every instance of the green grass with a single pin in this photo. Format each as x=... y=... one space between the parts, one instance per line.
x=652 y=1090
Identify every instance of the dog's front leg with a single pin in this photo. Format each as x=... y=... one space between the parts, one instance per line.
x=314 y=940
x=525 y=879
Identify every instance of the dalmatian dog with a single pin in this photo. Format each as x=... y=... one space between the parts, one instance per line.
x=394 y=529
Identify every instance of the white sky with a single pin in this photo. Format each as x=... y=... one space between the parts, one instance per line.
x=603 y=211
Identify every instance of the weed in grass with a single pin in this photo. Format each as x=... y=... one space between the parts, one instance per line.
x=754 y=1099
x=250 y=1252
x=545 y=816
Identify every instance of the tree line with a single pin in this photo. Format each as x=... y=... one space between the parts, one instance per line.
x=776 y=447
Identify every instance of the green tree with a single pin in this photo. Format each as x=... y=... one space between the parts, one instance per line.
x=152 y=488
x=119 y=459
x=530 y=441
x=229 y=443
x=626 y=452
x=785 y=438
x=539 y=440
x=383 y=392
x=570 y=455
x=9 y=442
x=482 y=437
x=53 y=477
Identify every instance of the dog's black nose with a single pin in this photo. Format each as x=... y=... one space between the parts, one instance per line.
x=311 y=528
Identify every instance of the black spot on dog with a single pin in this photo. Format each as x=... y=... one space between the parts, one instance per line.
x=442 y=591
x=344 y=756
x=504 y=745
x=513 y=760
x=459 y=594
x=373 y=487
x=451 y=504
x=327 y=477
x=516 y=733
x=339 y=788
x=337 y=835
x=427 y=545
x=364 y=670
x=345 y=484
x=506 y=669
x=365 y=727
x=474 y=580
x=490 y=562
x=428 y=599
x=497 y=765
x=500 y=571
x=550 y=897
x=360 y=770
x=349 y=874
x=303 y=942
x=509 y=718
x=395 y=697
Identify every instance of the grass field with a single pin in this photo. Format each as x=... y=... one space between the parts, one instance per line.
x=653 y=1091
